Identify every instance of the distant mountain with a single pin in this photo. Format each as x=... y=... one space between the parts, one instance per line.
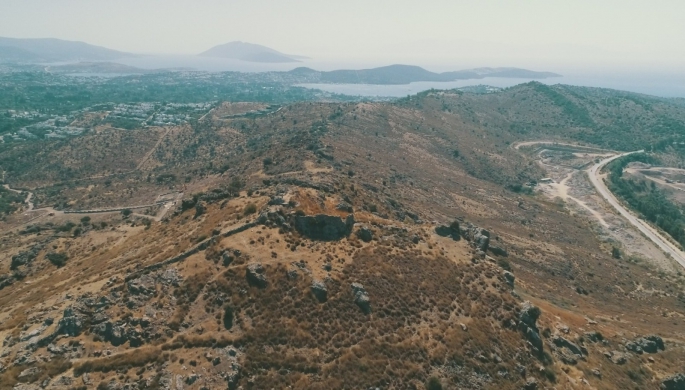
x=249 y=52
x=101 y=67
x=53 y=50
x=405 y=74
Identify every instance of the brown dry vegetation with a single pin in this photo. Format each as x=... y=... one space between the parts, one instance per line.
x=434 y=311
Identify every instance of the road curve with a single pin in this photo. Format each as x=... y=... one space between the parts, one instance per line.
x=647 y=230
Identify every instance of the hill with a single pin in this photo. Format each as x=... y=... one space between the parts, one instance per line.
x=334 y=245
x=249 y=52
x=53 y=50
x=405 y=74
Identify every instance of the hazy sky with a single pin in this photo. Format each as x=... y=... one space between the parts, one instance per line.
x=552 y=34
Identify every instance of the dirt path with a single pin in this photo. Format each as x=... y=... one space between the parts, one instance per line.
x=562 y=192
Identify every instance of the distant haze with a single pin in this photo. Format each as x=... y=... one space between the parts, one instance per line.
x=442 y=35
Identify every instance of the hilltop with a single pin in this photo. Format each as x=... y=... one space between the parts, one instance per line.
x=249 y=52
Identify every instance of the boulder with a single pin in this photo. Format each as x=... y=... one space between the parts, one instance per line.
x=533 y=337
x=319 y=290
x=482 y=240
x=453 y=231
x=324 y=227
x=226 y=258
x=365 y=234
x=594 y=336
x=114 y=333
x=277 y=201
x=674 y=382
x=510 y=278
x=617 y=357
x=527 y=323
x=29 y=374
x=144 y=285
x=531 y=384
x=479 y=237
x=498 y=251
x=233 y=376
x=169 y=277
x=564 y=343
x=71 y=323
x=361 y=297
x=255 y=275
x=344 y=206
x=529 y=314
x=649 y=344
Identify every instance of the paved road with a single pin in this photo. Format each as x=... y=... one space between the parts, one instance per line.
x=651 y=233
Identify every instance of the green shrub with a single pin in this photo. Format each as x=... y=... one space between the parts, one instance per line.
x=228 y=317
x=434 y=384
x=251 y=208
x=58 y=259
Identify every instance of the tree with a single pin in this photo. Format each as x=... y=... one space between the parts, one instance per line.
x=126 y=212
x=615 y=253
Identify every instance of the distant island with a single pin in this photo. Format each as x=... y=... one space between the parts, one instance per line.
x=250 y=52
x=79 y=57
x=45 y=50
x=405 y=74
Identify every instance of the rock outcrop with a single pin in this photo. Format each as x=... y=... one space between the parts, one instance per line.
x=528 y=324
x=71 y=323
x=648 y=344
x=319 y=290
x=675 y=382
x=510 y=278
x=255 y=275
x=498 y=251
x=452 y=231
x=361 y=297
x=365 y=234
x=324 y=227
x=479 y=237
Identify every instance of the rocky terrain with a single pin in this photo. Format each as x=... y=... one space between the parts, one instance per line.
x=361 y=245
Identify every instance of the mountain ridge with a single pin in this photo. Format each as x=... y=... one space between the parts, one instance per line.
x=54 y=50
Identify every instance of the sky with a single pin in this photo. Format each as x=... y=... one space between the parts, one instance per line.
x=552 y=35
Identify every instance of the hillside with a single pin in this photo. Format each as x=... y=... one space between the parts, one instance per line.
x=249 y=52
x=334 y=245
x=53 y=50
